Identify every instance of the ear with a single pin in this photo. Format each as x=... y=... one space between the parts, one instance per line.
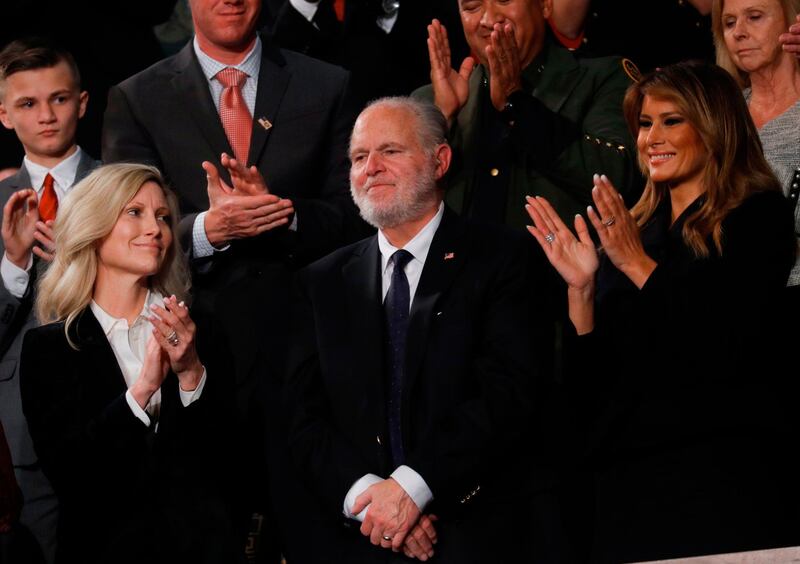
x=547 y=8
x=83 y=99
x=4 y=117
x=443 y=155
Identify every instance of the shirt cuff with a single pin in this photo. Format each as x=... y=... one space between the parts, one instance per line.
x=293 y=225
x=201 y=246
x=140 y=413
x=414 y=485
x=193 y=395
x=306 y=8
x=14 y=278
x=356 y=490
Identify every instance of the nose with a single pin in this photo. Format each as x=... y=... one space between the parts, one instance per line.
x=46 y=113
x=374 y=164
x=740 y=29
x=491 y=15
x=152 y=225
x=654 y=135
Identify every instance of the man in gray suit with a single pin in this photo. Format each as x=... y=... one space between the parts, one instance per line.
x=41 y=100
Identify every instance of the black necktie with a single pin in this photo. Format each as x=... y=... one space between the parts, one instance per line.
x=396 y=307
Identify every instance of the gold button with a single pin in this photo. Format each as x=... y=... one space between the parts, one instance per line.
x=494 y=172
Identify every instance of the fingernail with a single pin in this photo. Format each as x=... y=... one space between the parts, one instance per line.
x=604 y=177
x=182 y=304
x=595 y=177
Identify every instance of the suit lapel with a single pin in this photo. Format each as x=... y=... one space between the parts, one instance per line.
x=445 y=257
x=87 y=333
x=362 y=279
x=86 y=165
x=190 y=84
x=20 y=180
x=273 y=79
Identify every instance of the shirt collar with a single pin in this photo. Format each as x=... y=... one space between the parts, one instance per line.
x=418 y=246
x=250 y=65
x=63 y=173
x=108 y=322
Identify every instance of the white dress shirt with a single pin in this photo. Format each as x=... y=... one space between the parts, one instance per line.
x=413 y=484
x=15 y=279
x=129 y=344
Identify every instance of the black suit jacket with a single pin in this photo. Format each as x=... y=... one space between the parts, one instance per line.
x=127 y=493
x=468 y=385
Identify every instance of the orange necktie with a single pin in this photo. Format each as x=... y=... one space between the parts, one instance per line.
x=233 y=112
x=338 y=7
x=48 y=202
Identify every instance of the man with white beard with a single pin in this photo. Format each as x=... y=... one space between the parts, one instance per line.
x=411 y=369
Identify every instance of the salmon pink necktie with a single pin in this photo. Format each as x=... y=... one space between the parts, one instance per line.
x=233 y=112
x=48 y=202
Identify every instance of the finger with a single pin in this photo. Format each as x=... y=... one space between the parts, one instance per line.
x=46 y=229
x=162 y=341
x=466 y=68
x=427 y=526
x=583 y=230
x=595 y=219
x=48 y=243
x=180 y=311
x=270 y=226
x=215 y=183
x=421 y=538
x=361 y=502
x=612 y=197
x=416 y=550
x=535 y=212
x=598 y=195
x=376 y=537
x=42 y=254
x=163 y=329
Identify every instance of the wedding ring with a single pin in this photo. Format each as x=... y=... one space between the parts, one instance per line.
x=387 y=538
x=550 y=237
x=173 y=339
x=610 y=221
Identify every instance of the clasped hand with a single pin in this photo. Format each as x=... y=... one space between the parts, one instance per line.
x=246 y=208
x=22 y=227
x=394 y=521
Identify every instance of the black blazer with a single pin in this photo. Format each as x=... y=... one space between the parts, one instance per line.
x=468 y=389
x=691 y=414
x=126 y=492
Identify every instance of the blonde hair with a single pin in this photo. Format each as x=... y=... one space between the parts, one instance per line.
x=84 y=219
x=790 y=10
x=710 y=100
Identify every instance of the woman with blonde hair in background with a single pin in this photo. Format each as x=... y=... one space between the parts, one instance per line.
x=747 y=40
x=113 y=388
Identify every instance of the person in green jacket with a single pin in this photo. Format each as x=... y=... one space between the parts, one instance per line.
x=528 y=117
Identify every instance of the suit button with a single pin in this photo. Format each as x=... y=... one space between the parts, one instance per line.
x=494 y=172
x=378 y=438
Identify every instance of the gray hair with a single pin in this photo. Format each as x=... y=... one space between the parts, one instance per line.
x=431 y=124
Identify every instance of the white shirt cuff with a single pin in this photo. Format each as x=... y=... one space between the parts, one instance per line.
x=356 y=490
x=193 y=395
x=306 y=9
x=415 y=486
x=293 y=225
x=201 y=247
x=140 y=413
x=14 y=278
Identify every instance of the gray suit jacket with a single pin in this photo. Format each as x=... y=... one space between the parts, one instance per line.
x=16 y=317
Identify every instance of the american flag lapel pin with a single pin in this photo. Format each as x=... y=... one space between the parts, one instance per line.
x=264 y=122
x=448 y=256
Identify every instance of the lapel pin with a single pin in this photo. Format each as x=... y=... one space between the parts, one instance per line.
x=448 y=256
x=264 y=122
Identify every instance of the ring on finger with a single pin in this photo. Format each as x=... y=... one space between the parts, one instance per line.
x=173 y=339
x=387 y=538
x=610 y=221
x=550 y=237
